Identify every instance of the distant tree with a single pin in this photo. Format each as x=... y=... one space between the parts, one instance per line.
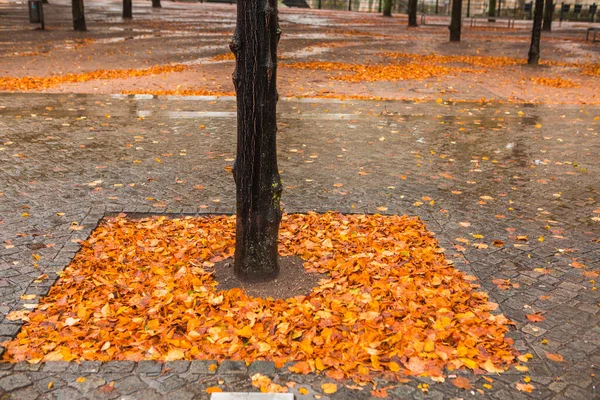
x=156 y=4
x=78 y=15
x=387 y=8
x=456 y=21
x=127 y=9
x=536 y=33
x=412 y=12
x=548 y=12
x=492 y=11
x=257 y=181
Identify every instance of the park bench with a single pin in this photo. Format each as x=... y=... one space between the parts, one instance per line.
x=475 y=18
x=590 y=31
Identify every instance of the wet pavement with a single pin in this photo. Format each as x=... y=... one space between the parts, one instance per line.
x=193 y=34
x=511 y=191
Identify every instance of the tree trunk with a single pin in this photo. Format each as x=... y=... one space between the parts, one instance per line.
x=412 y=12
x=78 y=15
x=536 y=33
x=492 y=11
x=156 y=4
x=258 y=185
x=127 y=9
x=387 y=8
x=456 y=21
x=548 y=12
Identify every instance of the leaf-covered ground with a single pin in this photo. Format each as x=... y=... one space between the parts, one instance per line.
x=143 y=289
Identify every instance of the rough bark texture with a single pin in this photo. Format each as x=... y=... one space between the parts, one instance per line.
x=78 y=15
x=127 y=9
x=156 y=4
x=258 y=185
x=536 y=33
x=412 y=12
x=456 y=21
x=548 y=11
x=492 y=10
x=387 y=8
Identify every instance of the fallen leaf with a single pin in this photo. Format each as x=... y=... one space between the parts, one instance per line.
x=329 y=388
x=555 y=357
x=461 y=382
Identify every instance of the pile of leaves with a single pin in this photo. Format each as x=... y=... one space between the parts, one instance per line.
x=379 y=72
x=473 y=60
x=392 y=305
x=476 y=61
x=559 y=83
x=39 y=83
x=591 y=69
x=224 y=57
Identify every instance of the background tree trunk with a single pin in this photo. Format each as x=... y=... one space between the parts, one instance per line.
x=156 y=4
x=548 y=12
x=258 y=185
x=412 y=12
x=78 y=15
x=387 y=8
x=127 y=9
x=536 y=33
x=456 y=21
x=492 y=11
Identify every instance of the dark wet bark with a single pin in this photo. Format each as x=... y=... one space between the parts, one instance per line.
x=548 y=11
x=492 y=11
x=78 y=15
x=456 y=21
x=412 y=12
x=258 y=185
x=127 y=9
x=536 y=33
x=387 y=8
x=156 y=4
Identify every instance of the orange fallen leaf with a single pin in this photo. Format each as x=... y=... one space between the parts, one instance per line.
x=555 y=357
x=213 y=389
x=524 y=387
x=461 y=382
x=536 y=317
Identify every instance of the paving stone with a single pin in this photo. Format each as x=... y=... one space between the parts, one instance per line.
x=252 y=396
x=181 y=394
x=14 y=381
x=228 y=367
x=557 y=386
x=85 y=367
x=27 y=367
x=117 y=367
x=262 y=367
x=55 y=366
x=145 y=394
x=43 y=382
x=203 y=367
x=66 y=393
x=575 y=392
x=91 y=382
x=149 y=367
x=28 y=393
x=130 y=385
x=9 y=329
x=176 y=367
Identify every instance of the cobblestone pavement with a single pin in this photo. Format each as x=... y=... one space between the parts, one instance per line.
x=524 y=177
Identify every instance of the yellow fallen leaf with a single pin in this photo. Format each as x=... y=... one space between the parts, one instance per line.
x=329 y=388
x=81 y=379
